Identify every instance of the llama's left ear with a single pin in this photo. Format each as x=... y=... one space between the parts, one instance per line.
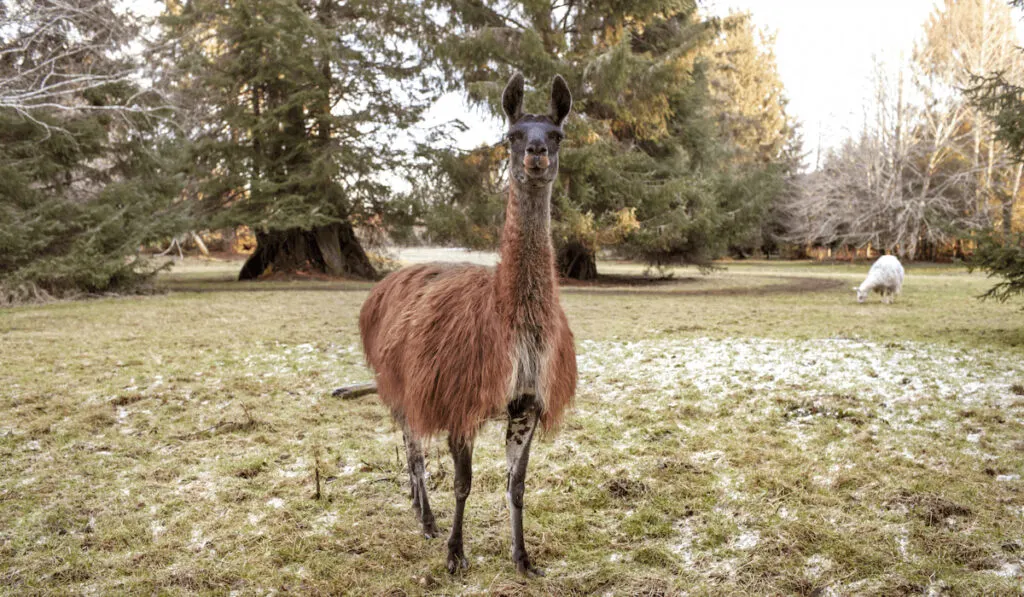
x=561 y=100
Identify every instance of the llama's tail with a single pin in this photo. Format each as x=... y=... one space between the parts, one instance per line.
x=354 y=390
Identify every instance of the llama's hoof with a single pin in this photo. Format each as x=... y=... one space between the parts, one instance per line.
x=457 y=561
x=430 y=530
x=526 y=569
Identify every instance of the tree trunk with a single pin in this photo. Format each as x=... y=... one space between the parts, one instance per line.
x=333 y=250
x=577 y=262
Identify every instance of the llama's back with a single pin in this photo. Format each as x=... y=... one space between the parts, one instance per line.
x=433 y=337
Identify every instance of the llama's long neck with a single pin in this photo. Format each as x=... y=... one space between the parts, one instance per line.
x=526 y=283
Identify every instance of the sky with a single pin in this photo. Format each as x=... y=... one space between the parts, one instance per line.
x=825 y=53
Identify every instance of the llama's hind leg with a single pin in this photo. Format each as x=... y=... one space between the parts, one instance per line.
x=462 y=457
x=522 y=422
x=418 y=483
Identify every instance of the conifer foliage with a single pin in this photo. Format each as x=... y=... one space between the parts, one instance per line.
x=646 y=167
x=84 y=175
x=296 y=106
x=1001 y=96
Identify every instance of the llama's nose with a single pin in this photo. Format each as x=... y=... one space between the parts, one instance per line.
x=537 y=149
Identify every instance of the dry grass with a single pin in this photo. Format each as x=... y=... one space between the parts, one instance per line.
x=726 y=440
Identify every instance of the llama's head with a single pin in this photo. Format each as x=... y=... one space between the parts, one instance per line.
x=534 y=138
x=862 y=293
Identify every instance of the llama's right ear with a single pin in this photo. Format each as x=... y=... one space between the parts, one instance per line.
x=856 y=288
x=512 y=98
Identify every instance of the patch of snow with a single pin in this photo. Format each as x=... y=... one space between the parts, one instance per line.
x=816 y=565
x=324 y=525
x=197 y=541
x=747 y=540
x=860 y=369
x=1008 y=570
x=685 y=544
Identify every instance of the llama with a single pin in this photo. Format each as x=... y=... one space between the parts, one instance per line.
x=454 y=346
x=884 y=277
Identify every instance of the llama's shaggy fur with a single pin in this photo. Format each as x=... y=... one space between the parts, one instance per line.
x=445 y=357
x=884 y=277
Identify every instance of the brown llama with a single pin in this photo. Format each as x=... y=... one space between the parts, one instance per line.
x=454 y=346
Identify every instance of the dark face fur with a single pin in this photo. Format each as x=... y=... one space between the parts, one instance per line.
x=534 y=138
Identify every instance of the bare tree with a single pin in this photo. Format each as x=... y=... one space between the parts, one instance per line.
x=54 y=53
x=927 y=166
x=964 y=40
x=901 y=184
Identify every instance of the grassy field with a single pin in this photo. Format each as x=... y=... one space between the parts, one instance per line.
x=755 y=431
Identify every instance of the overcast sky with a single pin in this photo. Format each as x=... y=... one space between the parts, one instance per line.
x=825 y=49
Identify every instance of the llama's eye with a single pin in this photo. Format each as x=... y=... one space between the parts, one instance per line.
x=515 y=136
x=556 y=136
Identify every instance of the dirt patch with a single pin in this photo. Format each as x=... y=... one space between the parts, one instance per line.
x=790 y=285
x=306 y=285
x=626 y=488
x=931 y=508
x=616 y=280
x=126 y=399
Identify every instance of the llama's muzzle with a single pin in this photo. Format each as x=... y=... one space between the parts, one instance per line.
x=536 y=161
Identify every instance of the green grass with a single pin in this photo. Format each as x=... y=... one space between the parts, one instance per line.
x=755 y=431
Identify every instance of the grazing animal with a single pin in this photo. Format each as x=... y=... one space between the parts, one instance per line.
x=884 y=277
x=454 y=346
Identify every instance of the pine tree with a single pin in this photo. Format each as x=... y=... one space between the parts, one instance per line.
x=762 y=148
x=1001 y=96
x=83 y=177
x=639 y=166
x=297 y=107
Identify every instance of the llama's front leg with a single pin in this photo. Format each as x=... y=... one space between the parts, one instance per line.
x=462 y=457
x=418 y=483
x=522 y=422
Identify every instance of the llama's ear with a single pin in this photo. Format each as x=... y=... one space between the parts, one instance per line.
x=512 y=98
x=856 y=288
x=561 y=100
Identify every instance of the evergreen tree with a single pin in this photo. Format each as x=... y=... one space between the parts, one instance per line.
x=640 y=164
x=761 y=146
x=82 y=180
x=1001 y=95
x=458 y=195
x=297 y=107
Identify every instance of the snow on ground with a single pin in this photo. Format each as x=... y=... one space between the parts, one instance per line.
x=894 y=372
